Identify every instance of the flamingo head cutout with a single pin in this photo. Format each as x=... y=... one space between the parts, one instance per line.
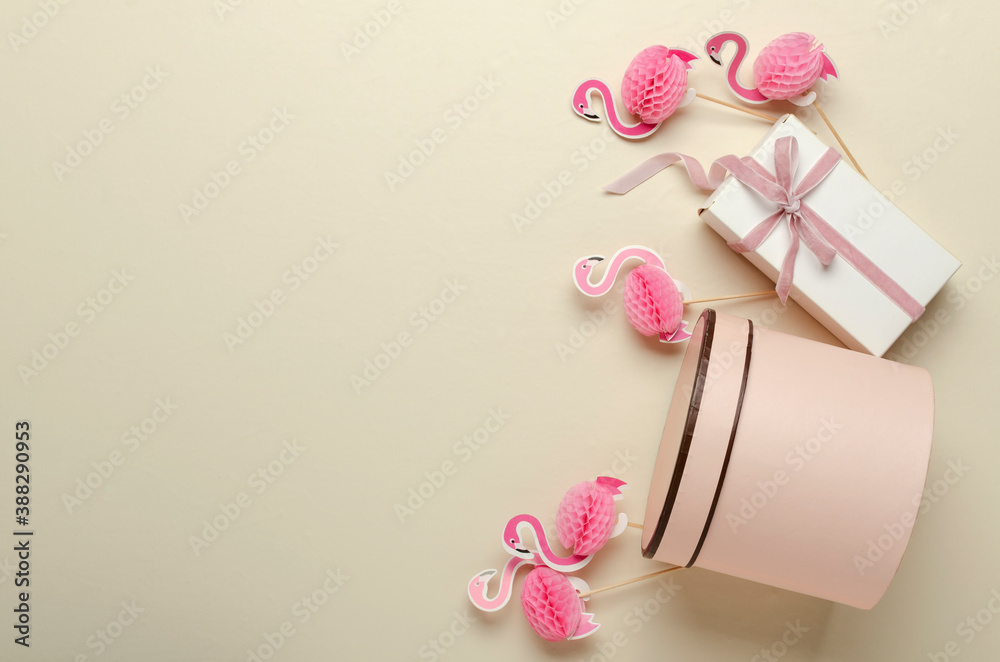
x=512 y=537
x=581 y=101
x=582 y=270
x=480 y=583
x=715 y=45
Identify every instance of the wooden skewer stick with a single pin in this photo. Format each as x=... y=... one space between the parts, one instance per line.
x=635 y=525
x=837 y=136
x=732 y=296
x=769 y=118
x=631 y=581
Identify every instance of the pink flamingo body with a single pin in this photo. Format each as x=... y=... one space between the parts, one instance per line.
x=479 y=585
x=552 y=605
x=513 y=543
x=664 y=319
x=785 y=69
x=586 y=517
x=676 y=60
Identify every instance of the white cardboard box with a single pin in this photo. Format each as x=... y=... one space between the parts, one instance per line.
x=837 y=295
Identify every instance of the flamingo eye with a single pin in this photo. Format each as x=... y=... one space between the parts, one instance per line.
x=581 y=105
x=513 y=541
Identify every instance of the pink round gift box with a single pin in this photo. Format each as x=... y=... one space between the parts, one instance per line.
x=789 y=462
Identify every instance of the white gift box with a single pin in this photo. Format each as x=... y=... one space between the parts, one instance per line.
x=838 y=295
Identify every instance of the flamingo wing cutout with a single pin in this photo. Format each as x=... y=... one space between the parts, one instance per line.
x=829 y=68
x=587 y=625
x=680 y=335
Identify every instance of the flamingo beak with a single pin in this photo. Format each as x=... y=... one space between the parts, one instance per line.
x=715 y=59
x=590 y=115
x=596 y=258
x=486 y=574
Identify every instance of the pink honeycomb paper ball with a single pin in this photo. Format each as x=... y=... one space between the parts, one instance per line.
x=550 y=604
x=586 y=518
x=654 y=84
x=653 y=304
x=788 y=66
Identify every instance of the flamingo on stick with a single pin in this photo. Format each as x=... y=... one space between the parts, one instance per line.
x=653 y=302
x=786 y=69
x=654 y=86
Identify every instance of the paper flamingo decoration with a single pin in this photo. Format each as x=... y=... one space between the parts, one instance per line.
x=654 y=86
x=552 y=604
x=653 y=301
x=586 y=518
x=786 y=69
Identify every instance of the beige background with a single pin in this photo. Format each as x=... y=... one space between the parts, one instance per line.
x=911 y=71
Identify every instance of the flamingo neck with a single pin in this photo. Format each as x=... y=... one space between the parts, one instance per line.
x=742 y=48
x=637 y=130
x=506 y=583
x=548 y=556
x=617 y=262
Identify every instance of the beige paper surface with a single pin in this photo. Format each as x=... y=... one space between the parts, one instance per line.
x=288 y=309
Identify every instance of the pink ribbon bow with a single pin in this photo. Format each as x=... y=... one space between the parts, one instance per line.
x=804 y=224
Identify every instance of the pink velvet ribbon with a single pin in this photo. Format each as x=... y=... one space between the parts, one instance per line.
x=804 y=223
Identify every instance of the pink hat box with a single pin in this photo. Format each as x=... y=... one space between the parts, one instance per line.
x=789 y=462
